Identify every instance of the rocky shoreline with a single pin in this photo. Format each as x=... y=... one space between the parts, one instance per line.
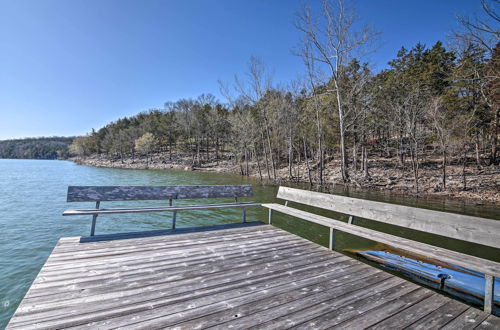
x=483 y=184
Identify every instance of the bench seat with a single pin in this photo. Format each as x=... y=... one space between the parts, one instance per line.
x=159 y=209
x=429 y=251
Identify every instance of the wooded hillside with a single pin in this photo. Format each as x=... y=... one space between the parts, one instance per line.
x=434 y=106
x=36 y=148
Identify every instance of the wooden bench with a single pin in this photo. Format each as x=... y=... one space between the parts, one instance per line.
x=462 y=227
x=100 y=194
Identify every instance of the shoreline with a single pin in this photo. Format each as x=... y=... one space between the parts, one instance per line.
x=483 y=187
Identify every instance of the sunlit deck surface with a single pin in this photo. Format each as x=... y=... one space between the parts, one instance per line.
x=233 y=276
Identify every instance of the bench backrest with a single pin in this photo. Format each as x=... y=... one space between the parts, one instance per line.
x=137 y=193
x=462 y=227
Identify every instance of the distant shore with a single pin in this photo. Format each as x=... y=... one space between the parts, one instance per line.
x=483 y=185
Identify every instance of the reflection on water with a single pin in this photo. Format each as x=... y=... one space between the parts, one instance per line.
x=33 y=196
x=457 y=281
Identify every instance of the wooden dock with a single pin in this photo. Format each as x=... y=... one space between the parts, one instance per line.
x=237 y=276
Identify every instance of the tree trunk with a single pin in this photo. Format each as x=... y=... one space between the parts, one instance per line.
x=265 y=155
x=444 y=168
x=307 y=163
x=208 y=150
x=365 y=163
x=343 y=162
x=198 y=162
x=290 y=155
x=464 y=179
x=246 y=161
x=401 y=152
x=478 y=156
x=217 y=150
x=258 y=162
x=363 y=157
x=297 y=168
x=354 y=156
x=494 y=137
x=414 y=162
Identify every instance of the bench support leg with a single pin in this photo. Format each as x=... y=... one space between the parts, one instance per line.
x=92 y=229
x=244 y=215
x=351 y=220
x=270 y=217
x=331 y=244
x=94 y=218
x=489 y=290
x=174 y=218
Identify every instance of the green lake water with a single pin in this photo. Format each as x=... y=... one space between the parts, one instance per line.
x=33 y=196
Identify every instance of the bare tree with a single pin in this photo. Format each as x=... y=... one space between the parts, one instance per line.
x=415 y=103
x=484 y=31
x=253 y=92
x=313 y=81
x=334 y=41
x=445 y=127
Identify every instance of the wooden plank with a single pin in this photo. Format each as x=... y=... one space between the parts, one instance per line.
x=186 y=245
x=463 y=227
x=425 y=250
x=169 y=255
x=189 y=280
x=194 y=258
x=155 y=279
x=355 y=308
x=440 y=316
x=144 y=301
x=170 y=237
x=182 y=288
x=171 y=258
x=300 y=310
x=257 y=276
x=380 y=312
x=160 y=209
x=412 y=314
x=156 y=240
x=492 y=322
x=254 y=304
x=150 y=271
x=130 y=193
x=470 y=319
x=166 y=262
x=234 y=229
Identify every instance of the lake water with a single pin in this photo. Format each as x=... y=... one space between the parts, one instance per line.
x=33 y=196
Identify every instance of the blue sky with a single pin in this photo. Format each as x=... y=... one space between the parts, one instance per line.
x=67 y=66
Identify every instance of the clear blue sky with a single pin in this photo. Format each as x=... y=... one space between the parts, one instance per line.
x=67 y=66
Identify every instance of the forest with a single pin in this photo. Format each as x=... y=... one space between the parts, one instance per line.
x=36 y=148
x=433 y=107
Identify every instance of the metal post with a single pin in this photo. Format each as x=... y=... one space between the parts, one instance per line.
x=286 y=203
x=244 y=215
x=174 y=218
x=270 y=218
x=331 y=244
x=173 y=215
x=351 y=220
x=489 y=289
x=94 y=218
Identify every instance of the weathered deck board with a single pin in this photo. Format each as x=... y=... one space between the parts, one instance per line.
x=239 y=276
